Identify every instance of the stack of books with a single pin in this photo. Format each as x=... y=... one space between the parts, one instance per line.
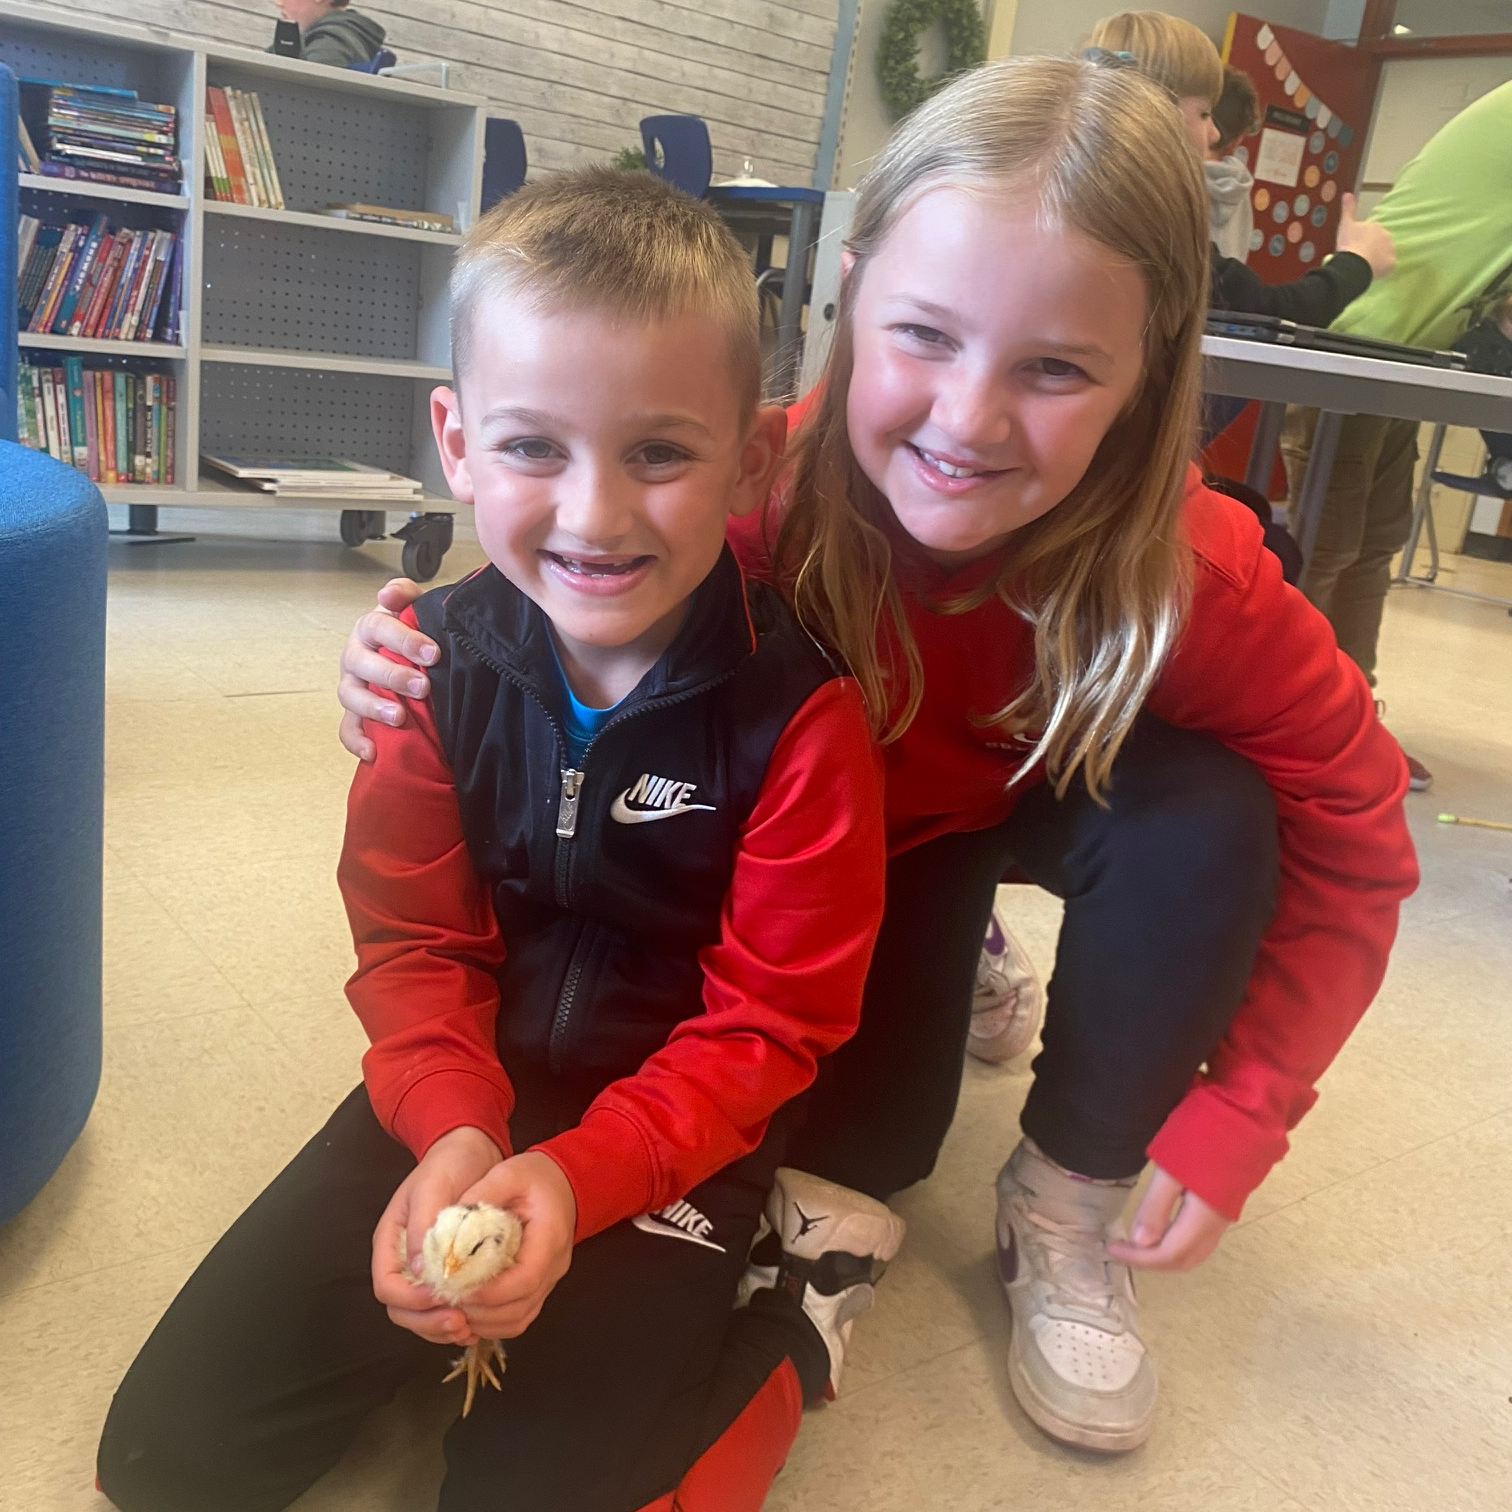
x=90 y=278
x=114 y=426
x=329 y=477
x=107 y=136
x=239 y=162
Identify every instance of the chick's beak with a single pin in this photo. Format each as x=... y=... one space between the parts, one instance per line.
x=451 y=1264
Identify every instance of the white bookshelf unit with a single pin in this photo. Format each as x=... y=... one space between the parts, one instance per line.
x=303 y=335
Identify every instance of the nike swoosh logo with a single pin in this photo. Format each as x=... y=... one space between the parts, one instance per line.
x=622 y=813
x=648 y=1223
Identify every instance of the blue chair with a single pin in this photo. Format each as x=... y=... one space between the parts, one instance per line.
x=383 y=58
x=678 y=150
x=503 y=160
x=53 y=535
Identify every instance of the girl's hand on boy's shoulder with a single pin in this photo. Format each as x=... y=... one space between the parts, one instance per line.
x=452 y=1164
x=536 y=1189
x=1174 y=1229
x=364 y=666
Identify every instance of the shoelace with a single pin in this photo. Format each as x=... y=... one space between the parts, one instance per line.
x=1082 y=1280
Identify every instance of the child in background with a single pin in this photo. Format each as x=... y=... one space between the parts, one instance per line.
x=1236 y=114
x=1183 y=61
x=1085 y=665
x=614 y=890
x=330 y=32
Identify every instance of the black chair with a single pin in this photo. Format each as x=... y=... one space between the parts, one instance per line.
x=504 y=160
x=678 y=149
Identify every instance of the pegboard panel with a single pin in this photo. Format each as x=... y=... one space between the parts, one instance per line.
x=77 y=58
x=258 y=411
x=296 y=288
x=334 y=147
x=58 y=55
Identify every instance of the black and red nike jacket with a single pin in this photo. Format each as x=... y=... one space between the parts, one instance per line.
x=682 y=923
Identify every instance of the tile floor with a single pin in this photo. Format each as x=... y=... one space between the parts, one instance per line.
x=1349 y=1347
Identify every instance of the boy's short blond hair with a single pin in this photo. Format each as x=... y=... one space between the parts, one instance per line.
x=626 y=244
x=1178 y=55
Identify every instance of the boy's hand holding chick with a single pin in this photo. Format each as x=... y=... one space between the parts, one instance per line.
x=534 y=1188
x=465 y=1166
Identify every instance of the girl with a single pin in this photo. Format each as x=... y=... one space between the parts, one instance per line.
x=1083 y=664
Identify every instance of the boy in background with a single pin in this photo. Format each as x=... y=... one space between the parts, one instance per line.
x=1236 y=114
x=331 y=32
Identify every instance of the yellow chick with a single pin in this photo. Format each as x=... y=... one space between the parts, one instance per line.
x=466 y=1247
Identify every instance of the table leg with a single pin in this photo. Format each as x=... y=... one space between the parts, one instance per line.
x=803 y=234
x=1315 y=481
x=1262 y=454
x=1421 y=511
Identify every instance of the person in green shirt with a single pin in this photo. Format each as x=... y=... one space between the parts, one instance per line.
x=1450 y=214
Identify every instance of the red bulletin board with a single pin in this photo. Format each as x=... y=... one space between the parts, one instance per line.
x=1316 y=97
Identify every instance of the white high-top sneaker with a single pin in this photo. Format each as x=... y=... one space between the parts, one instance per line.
x=1076 y=1362
x=1008 y=1001
x=827 y=1249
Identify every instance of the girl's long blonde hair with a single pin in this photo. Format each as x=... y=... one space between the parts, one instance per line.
x=1103 y=576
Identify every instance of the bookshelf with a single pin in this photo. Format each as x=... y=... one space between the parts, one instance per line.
x=302 y=334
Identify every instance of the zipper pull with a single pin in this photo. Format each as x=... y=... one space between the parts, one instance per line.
x=572 y=787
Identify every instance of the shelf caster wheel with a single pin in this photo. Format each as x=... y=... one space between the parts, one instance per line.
x=360 y=525
x=426 y=540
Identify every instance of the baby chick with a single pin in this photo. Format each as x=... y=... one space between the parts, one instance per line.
x=466 y=1247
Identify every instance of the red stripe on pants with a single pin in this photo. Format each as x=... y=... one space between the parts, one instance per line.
x=736 y=1471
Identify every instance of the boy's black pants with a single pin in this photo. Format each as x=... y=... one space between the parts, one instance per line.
x=260 y=1373
x=1168 y=892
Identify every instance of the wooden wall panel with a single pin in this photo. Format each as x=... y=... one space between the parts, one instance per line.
x=579 y=74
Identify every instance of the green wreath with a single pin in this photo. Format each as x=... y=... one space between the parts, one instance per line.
x=897 y=51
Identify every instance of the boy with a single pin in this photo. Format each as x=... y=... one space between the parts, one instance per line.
x=613 y=892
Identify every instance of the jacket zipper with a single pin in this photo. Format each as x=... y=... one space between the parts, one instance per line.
x=569 y=798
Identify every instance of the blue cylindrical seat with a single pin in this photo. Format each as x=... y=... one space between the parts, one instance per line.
x=53 y=535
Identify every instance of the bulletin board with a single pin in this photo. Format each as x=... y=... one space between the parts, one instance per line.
x=1316 y=98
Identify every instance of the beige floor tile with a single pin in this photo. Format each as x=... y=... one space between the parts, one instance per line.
x=947 y=1434
x=323 y=1035
x=251 y=815
x=153 y=970
x=194 y=1117
x=66 y=1346
x=273 y=929
x=1358 y=1346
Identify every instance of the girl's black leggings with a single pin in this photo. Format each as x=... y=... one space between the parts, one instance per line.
x=1168 y=891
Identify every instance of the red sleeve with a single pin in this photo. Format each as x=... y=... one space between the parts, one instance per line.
x=427 y=941
x=782 y=985
x=1258 y=667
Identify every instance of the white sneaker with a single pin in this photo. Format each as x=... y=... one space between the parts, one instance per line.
x=1076 y=1362
x=1008 y=1002
x=827 y=1249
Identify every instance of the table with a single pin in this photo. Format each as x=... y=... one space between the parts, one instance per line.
x=766 y=211
x=1337 y=385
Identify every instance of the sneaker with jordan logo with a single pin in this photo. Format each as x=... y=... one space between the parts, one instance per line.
x=1076 y=1362
x=827 y=1249
x=1008 y=1002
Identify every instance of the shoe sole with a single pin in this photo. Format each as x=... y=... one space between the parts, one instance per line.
x=1078 y=1435
x=1044 y=1416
